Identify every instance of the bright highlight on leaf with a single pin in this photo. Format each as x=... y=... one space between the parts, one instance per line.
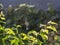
x=3 y=18
x=18 y=26
x=33 y=32
x=9 y=31
x=52 y=28
x=50 y=22
x=44 y=31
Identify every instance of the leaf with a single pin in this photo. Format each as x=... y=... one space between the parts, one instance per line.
x=52 y=28
x=1 y=27
x=18 y=26
x=44 y=31
x=13 y=41
x=9 y=31
x=24 y=36
x=2 y=18
x=44 y=36
x=33 y=32
x=50 y=22
x=5 y=38
x=31 y=38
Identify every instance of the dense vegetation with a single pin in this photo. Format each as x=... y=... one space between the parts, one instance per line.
x=26 y=25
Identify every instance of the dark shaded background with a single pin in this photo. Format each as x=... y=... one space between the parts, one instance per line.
x=41 y=4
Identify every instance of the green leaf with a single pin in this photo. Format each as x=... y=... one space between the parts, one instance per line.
x=24 y=36
x=44 y=31
x=18 y=26
x=9 y=31
x=50 y=22
x=33 y=32
x=44 y=36
x=2 y=18
x=52 y=28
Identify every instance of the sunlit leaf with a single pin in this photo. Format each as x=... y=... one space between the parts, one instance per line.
x=44 y=31
x=24 y=36
x=33 y=32
x=2 y=18
x=3 y=22
x=50 y=22
x=52 y=28
x=31 y=38
x=44 y=36
x=9 y=31
x=18 y=26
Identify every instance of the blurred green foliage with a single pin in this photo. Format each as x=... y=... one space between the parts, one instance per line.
x=26 y=25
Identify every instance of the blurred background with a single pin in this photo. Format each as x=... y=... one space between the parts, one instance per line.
x=41 y=4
